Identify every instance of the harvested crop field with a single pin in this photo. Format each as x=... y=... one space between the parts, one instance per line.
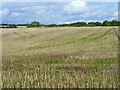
x=60 y=57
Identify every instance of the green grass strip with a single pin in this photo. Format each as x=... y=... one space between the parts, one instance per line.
x=72 y=42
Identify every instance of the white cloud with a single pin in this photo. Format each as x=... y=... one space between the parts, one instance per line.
x=76 y=6
x=25 y=8
x=37 y=7
x=40 y=12
x=115 y=14
x=94 y=20
x=81 y=20
x=69 y=12
x=15 y=14
x=4 y=12
x=98 y=12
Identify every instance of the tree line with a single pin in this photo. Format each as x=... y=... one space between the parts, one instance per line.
x=77 y=24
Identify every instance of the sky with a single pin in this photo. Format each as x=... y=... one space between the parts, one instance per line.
x=57 y=12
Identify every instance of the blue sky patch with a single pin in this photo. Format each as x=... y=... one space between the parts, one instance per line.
x=57 y=12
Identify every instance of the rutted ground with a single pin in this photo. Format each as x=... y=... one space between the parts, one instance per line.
x=60 y=57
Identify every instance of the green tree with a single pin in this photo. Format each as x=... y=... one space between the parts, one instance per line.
x=98 y=23
x=106 y=23
x=11 y=26
x=35 y=23
x=91 y=24
x=51 y=25
x=118 y=23
x=78 y=24
x=114 y=23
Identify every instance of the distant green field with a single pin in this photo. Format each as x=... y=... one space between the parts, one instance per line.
x=60 y=57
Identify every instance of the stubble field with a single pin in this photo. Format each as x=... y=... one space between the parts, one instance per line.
x=60 y=57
